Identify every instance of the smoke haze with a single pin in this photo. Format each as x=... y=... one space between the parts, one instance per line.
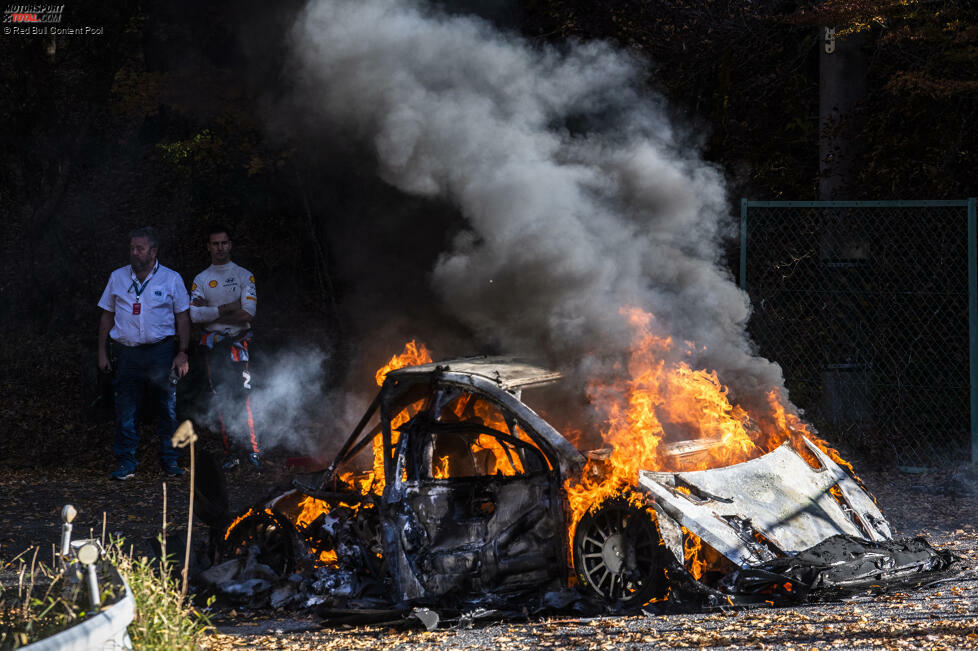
x=579 y=195
x=287 y=403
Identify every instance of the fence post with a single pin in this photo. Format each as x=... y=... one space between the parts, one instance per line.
x=973 y=322
x=743 y=249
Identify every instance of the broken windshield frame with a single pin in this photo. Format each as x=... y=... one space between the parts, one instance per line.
x=416 y=455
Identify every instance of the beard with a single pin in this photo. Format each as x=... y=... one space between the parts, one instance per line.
x=140 y=264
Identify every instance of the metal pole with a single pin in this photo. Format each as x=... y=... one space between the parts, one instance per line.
x=973 y=321
x=68 y=514
x=743 y=245
x=65 y=539
x=93 y=594
x=88 y=554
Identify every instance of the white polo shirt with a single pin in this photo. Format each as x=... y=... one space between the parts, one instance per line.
x=160 y=297
x=218 y=285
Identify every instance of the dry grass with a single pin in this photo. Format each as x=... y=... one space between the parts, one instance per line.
x=38 y=600
x=164 y=619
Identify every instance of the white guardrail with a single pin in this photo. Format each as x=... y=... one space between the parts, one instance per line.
x=107 y=630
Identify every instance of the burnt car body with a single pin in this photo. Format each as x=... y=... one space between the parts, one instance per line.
x=466 y=495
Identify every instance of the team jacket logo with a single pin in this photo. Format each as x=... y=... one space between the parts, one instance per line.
x=212 y=284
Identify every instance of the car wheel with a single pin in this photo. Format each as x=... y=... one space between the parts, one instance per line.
x=618 y=554
x=275 y=536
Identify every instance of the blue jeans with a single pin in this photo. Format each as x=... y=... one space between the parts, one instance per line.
x=136 y=366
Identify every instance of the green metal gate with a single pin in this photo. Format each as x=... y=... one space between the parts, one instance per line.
x=871 y=309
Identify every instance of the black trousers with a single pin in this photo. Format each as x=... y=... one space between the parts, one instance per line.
x=231 y=396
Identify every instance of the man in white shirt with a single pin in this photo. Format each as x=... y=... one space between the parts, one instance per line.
x=144 y=314
x=223 y=301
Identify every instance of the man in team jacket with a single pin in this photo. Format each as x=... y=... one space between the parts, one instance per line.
x=223 y=302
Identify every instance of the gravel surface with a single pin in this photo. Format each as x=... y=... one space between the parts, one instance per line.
x=935 y=505
x=941 y=506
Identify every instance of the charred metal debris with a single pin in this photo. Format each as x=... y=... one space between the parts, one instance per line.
x=447 y=500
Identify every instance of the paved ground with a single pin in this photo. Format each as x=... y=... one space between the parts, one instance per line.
x=933 y=505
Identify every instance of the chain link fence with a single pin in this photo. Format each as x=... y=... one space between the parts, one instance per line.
x=869 y=308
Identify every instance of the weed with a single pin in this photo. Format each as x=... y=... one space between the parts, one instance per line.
x=38 y=601
x=164 y=618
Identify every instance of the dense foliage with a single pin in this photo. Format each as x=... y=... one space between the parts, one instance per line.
x=176 y=120
x=746 y=73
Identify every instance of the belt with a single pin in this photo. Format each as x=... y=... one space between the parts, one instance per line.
x=167 y=339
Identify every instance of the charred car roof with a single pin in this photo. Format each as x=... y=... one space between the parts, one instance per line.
x=509 y=373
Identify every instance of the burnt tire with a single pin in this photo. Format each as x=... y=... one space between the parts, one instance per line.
x=618 y=555
x=275 y=536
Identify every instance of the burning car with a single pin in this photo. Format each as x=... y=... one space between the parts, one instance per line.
x=451 y=484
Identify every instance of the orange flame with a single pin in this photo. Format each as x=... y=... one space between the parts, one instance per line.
x=470 y=408
x=311 y=508
x=662 y=399
x=658 y=394
x=693 y=551
x=413 y=355
x=440 y=471
x=227 y=532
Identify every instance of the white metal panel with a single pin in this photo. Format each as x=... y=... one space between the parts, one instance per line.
x=781 y=496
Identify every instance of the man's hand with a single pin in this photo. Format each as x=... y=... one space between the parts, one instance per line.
x=104 y=364
x=182 y=322
x=199 y=302
x=181 y=363
x=105 y=321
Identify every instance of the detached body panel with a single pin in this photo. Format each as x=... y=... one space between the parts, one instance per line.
x=778 y=495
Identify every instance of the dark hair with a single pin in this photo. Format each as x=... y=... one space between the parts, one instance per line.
x=218 y=228
x=149 y=234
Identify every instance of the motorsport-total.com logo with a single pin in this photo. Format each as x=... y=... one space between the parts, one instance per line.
x=41 y=20
x=30 y=14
